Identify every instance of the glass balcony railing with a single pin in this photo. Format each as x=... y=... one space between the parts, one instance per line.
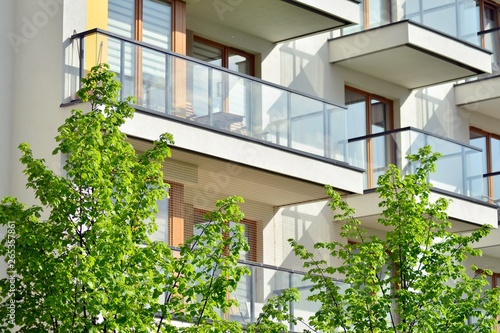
x=265 y=282
x=199 y=93
x=458 y=171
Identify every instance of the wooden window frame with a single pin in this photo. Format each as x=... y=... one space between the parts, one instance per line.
x=176 y=215
x=489 y=159
x=483 y=5
x=366 y=13
x=368 y=116
x=226 y=50
x=178 y=19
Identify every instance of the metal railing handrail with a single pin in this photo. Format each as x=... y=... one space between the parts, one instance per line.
x=267 y=266
x=484 y=32
x=491 y=174
x=86 y=33
x=410 y=128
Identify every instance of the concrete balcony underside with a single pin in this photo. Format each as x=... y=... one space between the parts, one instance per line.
x=490 y=245
x=465 y=214
x=409 y=54
x=271 y=19
x=306 y=175
x=480 y=96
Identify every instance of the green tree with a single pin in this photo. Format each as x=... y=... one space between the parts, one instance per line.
x=82 y=260
x=411 y=280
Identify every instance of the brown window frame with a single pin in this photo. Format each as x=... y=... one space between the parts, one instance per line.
x=366 y=13
x=226 y=50
x=489 y=159
x=368 y=116
x=483 y=5
x=178 y=24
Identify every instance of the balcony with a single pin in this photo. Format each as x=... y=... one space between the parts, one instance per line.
x=409 y=54
x=459 y=173
x=265 y=282
x=480 y=96
x=270 y=19
x=209 y=108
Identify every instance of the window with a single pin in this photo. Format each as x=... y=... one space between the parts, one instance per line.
x=222 y=55
x=170 y=216
x=221 y=98
x=490 y=23
x=159 y=23
x=372 y=13
x=490 y=144
x=156 y=23
x=369 y=114
x=458 y=18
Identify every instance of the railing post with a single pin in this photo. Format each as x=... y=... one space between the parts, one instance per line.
x=252 y=294
x=326 y=132
x=289 y=119
x=292 y=304
x=249 y=106
x=210 y=95
x=122 y=69
x=464 y=172
x=81 y=59
x=168 y=84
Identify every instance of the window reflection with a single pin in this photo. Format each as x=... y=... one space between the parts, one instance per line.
x=369 y=114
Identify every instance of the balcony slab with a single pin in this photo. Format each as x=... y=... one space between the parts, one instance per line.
x=248 y=153
x=409 y=54
x=490 y=245
x=271 y=19
x=481 y=96
x=463 y=213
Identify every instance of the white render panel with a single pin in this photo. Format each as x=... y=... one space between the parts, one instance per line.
x=481 y=96
x=346 y=9
x=368 y=42
x=246 y=152
x=470 y=212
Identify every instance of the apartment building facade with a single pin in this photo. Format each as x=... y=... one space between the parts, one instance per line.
x=270 y=100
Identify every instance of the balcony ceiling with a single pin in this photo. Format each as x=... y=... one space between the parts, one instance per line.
x=410 y=55
x=276 y=20
x=464 y=214
x=482 y=96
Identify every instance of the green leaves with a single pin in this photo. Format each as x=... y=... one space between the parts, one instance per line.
x=83 y=260
x=410 y=280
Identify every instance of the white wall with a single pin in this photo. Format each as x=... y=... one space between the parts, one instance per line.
x=7 y=56
x=307 y=223
x=37 y=89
